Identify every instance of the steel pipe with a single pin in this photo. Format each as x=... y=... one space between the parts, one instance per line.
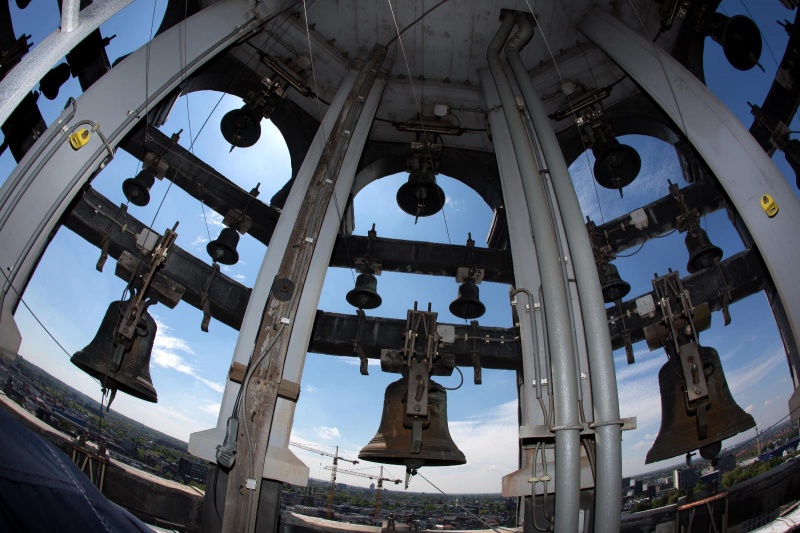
x=598 y=339
x=567 y=420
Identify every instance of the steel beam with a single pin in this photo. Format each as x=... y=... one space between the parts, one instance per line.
x=202 y=181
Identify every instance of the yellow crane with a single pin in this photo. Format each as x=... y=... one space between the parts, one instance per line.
x=379 y=491
x=333 y=470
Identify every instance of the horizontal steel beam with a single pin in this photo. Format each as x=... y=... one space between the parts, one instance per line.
x=743 y=274
x=202 y=181
x=621 y=234
x=93 y=218
x=425 y=258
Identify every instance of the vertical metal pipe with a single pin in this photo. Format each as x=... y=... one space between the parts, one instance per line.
x=70 y=15
x=598 y=339
x=567 y=428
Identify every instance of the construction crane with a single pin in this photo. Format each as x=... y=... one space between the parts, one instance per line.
x=333 y=470
x=379 y=492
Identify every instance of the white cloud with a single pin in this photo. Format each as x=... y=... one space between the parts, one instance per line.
x=749 y=408
x=310 y=389
x=768 y=402
x=210 y=408
x=165 y=354
x=749 y=376
x=327 y=433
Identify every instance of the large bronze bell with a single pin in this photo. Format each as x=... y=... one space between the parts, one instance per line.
x=720 y=418
x=468 y=304
x=613 y=286
x=739 y=38
x=223 y=248
x=132 y=376
x=616 y=165
x=365 y=294
x=420 y=196
x=392 y=443
x=702 y=253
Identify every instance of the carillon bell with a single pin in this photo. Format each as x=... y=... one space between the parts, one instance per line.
x=365 y=294
x=223 y=248
x=468 y=304
x=613 y=286
x=685 y=427
x=132 y=373
x=420 y=196
x=137 y=190
x=616 y=165
x=739 y=38
x=50 y=84
x=241 y=127
x=392 y=443
x=702 y=253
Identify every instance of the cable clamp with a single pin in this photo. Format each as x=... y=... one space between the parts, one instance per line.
x=625 y=424
x=286 y=320
x=566 y=428
x=250 y=484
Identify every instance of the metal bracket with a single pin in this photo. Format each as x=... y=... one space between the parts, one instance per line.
x=123 y=209
x=476 y=358
x=204 y=301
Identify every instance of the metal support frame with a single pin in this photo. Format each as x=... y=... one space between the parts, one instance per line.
x=743 y=169
x=36 y=194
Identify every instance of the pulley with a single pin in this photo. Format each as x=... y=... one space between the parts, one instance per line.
x=137 y=190
x=420 y=196
x=616 y=165
x=392 y=443
x=702 y=253
x=223 y=248
x=241 y=127
x=468 y=304
x=688 y=425
x=365 y=294
x=120 y=364
x=739 y=38
x=613 y=286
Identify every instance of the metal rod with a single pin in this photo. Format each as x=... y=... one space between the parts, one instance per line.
x=567 y=427
x=598 y=339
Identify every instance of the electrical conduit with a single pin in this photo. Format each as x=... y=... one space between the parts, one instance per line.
x=567 y=420
x=595 y=322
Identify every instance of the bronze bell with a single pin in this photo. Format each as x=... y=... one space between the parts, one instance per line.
x=132 y=376
x=614 y=288
x=420 y=196
x=681 y=423
x=241 y=127
x=137 y=190
x=616 y=165
x=392 y=443
x=223 y=248
x=702 y=253
x=739 y=38
x=468 y=304
x=365 y=294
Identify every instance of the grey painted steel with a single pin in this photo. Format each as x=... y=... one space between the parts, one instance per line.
x=204 y=444
x=37 y=192
x=46 y=54
x=567 y=420
x=608 y=503
x=70 y=15
x=742 y=167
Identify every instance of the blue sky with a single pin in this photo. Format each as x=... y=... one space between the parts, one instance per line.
x=338 y=406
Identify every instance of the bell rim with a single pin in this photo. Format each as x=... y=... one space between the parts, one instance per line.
x=352 y=294
x=406 y=198
x=456 y=303
x=142 y=199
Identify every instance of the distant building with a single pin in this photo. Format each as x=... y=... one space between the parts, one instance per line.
x=192 y=471
x=726 y=463
x=685 y=478
x=638 y=487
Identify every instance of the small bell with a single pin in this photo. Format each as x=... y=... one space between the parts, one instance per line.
x=119 y=364
x=614 y=288
x=223 y=249
x=241 y=128
x=392 y=443
x=53 y=80
x=702 y=253
x=137 y=190
x=468 y=304
x=365 y=294
x=420 y=196
x=684 y=427
x=616 y=165
x=739 y=38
